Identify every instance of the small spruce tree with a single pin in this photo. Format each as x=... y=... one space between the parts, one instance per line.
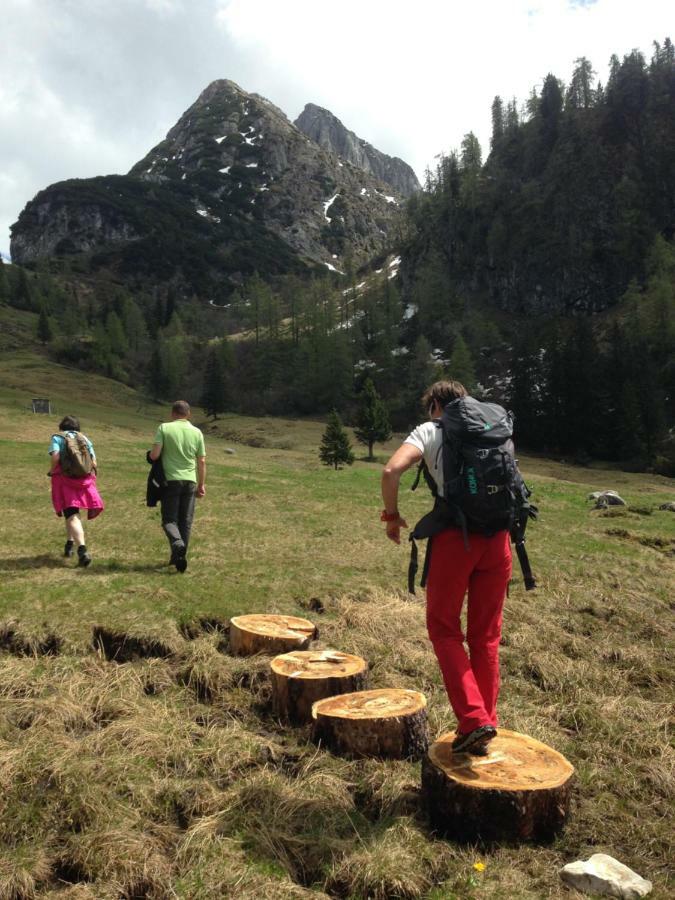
x=3 y=281
x=372 y=423
x=460 y=364
x=44 y=328
x=335 y=447
x=214 y=392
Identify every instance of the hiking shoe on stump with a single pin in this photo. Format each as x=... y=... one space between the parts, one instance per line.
x=475 y=741
x=68 y=549
x=83 y=558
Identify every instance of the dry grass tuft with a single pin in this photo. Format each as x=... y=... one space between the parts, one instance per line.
x=397 y=861
x=22 y=870
x=212 y=865
x=134 y=863
x=299 y=823
x=387 y=788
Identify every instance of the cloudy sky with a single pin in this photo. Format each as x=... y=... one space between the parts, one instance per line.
x=88 y=86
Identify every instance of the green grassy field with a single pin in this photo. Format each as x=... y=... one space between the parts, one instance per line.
x=167 y=775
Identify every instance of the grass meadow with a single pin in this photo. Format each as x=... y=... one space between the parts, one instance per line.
x=166 y=776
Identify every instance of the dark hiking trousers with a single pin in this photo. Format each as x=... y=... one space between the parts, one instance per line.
x=178 y=508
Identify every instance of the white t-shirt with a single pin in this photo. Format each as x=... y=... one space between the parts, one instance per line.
x=428 y=437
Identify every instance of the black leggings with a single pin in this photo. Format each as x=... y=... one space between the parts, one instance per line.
x=71 y=511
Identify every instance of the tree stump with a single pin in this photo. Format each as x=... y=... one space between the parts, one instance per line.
x=388 y=723
x=269 y=634
x=302 y=677
x=520 y=791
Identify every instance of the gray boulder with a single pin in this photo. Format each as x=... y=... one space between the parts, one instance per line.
x=602 y=874
x=603 y=499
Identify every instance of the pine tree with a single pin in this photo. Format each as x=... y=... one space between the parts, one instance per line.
x=580 y=94
x=23 y=297
x=372 y=423
x=335 y=447
x=214 y=392
x=460 y=365
x=3 y=282
x=116 y=336
x=497 y=120
x=44 y=328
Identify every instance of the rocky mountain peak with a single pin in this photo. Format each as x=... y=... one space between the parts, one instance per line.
x=240 y=184
x=325 y=129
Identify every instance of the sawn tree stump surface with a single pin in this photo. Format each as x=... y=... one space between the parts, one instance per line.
x=269 y=634
x=302 y=677
x=389 y=723
x=519 y=792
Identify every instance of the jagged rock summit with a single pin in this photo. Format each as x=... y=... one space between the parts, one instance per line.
x=328 y=132
x=234 y=188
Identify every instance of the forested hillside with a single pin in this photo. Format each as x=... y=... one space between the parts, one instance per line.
x=543 y=278
x=572 y=215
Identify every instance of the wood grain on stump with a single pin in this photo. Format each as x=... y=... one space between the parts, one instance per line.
x=389 y=723
x=302 y=677
x=520 y=791
x=269 y=634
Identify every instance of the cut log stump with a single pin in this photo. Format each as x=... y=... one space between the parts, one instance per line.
x=302 y=677
x=269 y=634
x=519 y=792
x=389 y=723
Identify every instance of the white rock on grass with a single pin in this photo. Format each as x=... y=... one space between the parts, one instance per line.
x=606 y=498
x=602 y=874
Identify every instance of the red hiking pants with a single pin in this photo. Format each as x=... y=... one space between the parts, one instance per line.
x=471 y=679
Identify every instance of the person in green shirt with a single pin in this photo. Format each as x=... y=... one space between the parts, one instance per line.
x=181 y=448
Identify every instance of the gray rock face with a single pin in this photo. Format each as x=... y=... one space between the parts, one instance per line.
x=234 y=169
x=58 y=225
x=602 y=874
x=328 y=132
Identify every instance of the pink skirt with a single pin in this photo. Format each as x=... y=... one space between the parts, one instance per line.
x=76 y=492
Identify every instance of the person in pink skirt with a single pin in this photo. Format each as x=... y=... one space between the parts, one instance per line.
x=70 y=495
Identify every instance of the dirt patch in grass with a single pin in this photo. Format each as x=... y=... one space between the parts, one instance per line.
x=204 y=625
x=22 y=641
x=663 y=544
x=122 y=647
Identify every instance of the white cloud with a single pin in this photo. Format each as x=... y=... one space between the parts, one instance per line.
x=88 y=87
x=414 y=78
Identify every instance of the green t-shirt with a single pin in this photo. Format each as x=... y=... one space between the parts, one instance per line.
x=181 y=444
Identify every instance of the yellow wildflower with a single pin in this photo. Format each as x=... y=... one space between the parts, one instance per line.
x=479 y=866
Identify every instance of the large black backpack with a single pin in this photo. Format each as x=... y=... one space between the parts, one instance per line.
x=483 y=490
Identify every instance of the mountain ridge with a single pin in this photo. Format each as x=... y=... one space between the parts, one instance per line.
x=236 y=184
x=324 y=127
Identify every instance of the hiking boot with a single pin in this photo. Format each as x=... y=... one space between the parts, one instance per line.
x=475 y=741
x=178 y=558
x=83 y=558
x=68 y=549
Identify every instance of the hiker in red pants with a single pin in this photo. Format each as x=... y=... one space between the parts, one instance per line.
x=461 y=564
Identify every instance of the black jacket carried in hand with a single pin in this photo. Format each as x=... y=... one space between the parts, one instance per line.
x=156 y=481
